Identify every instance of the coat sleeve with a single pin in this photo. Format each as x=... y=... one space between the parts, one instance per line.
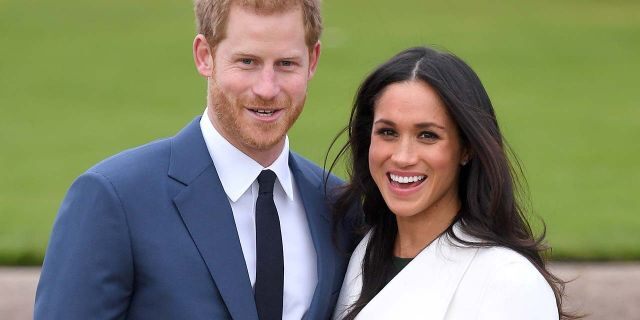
x=88 y=267
x=517 y=290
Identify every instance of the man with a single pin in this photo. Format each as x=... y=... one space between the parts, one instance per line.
x=181 y=228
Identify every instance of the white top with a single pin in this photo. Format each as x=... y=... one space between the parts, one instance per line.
x=451 y=281
x=238 y=174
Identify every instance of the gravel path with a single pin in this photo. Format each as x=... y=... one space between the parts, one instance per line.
x=603 y=291
x=17 y=292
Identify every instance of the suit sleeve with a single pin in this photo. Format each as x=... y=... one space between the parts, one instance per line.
x=517 y=291
x=88 y=268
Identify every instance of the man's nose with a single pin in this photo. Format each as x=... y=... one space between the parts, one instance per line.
x=266 y=85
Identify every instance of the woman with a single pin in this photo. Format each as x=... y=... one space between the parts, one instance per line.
x=447 y=238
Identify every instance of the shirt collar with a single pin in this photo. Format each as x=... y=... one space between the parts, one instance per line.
x=236 y=170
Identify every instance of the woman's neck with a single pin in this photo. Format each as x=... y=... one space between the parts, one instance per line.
x=416 y=232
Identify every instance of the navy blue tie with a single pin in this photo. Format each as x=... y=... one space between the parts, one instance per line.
x=269 y=257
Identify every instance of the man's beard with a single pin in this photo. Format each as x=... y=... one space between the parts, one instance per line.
x=228 y=111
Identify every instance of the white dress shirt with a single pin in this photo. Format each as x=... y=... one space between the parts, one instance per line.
x=238 y=174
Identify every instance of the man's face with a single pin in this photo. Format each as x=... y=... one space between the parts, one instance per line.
x=259 y=80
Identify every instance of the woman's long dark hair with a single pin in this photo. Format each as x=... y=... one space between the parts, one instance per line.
x=488 y=184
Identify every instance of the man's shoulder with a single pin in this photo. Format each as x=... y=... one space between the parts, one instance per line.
x=315 y=172
x=305 y=165
x=151 y=159
x=146 y=158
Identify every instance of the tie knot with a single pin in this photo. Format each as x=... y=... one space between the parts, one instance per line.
x=266 y=179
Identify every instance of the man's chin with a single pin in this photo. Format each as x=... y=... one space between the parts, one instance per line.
x=265 y=141
x=264 y=145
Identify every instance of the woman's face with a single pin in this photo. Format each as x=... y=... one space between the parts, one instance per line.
x=416 y=152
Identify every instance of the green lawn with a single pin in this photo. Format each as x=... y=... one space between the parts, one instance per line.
x=81 y=80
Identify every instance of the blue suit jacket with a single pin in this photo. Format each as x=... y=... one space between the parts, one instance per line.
x=149 y=234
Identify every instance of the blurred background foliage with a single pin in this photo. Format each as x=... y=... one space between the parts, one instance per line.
x=82 y=80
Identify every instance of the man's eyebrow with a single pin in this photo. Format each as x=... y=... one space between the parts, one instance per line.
x=288 y=56
x=291 y=58
x=243 y=54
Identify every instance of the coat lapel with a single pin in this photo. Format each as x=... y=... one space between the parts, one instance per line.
x=315 y=206
x=352 y=284
x=205 y=210
x=424 y=288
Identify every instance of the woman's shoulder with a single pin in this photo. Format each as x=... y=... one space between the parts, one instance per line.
x=509 y=259
x=506 y=268
x=503 y=282
x=500 y=284
x=505 y=263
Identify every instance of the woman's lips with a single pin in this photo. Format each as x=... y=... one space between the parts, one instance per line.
x=405 y=183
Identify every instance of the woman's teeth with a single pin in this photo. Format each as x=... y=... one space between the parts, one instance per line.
x=400 y=179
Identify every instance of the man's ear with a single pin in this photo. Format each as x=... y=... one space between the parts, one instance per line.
x=202 y=56
x=314 y=56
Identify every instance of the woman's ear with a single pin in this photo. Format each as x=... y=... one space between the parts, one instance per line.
x=466 y=157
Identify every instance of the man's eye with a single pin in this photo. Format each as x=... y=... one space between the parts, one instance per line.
x=286 y=63
x=246 y=61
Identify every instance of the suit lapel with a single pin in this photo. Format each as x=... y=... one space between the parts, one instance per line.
x=316 y=209
x=424 y=288
x=205 y=210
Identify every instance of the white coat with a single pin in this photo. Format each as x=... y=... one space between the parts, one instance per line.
x=454 y=282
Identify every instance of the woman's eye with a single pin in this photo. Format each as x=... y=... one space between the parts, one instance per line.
x=385 y=132
x=428 y=135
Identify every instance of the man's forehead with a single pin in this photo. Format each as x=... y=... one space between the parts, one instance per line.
x=259 y=8
x=280 y=32
x=266 y=6
x=258 y=52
